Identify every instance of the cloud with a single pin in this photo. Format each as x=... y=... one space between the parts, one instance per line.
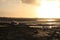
x=28 y=1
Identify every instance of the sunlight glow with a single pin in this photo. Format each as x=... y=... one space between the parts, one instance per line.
x=48 y=9
x=51 y=20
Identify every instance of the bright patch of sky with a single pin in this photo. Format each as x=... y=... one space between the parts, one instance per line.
x=48 y=9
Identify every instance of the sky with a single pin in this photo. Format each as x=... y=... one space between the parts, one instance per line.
x=37 y=8
x=49 y=9
x=16 y=8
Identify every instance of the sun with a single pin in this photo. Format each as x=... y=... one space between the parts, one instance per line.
x=48 y=10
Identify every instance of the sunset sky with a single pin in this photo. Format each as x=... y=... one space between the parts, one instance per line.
x=13 y=8
x=38 y=8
